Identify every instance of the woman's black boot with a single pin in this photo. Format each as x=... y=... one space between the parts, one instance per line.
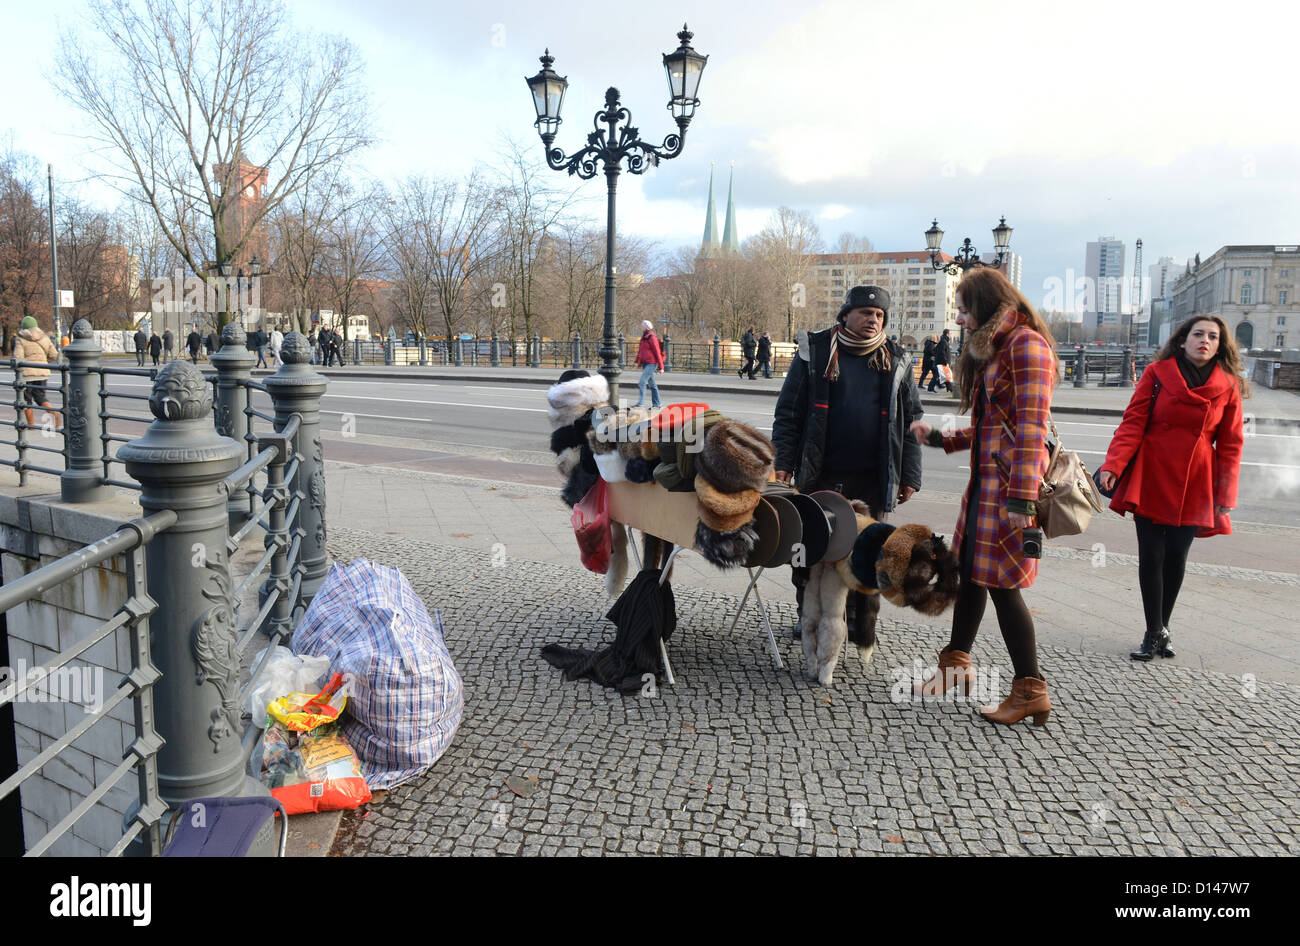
x=1147 y=650
x=1162 y=644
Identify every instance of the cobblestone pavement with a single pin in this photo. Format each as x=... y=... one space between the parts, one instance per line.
x=739 y=757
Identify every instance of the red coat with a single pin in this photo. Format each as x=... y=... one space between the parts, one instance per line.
x=1016 y=387
x=649 y=352
x=1190 y=455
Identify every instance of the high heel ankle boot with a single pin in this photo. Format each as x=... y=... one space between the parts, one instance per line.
x=1162 y=644
x=954 y=670
x=1028 y=698
x=1147 y=649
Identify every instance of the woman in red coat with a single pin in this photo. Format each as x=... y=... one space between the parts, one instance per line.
x=1005 y=374
x=1175 y=458
x=650 y=356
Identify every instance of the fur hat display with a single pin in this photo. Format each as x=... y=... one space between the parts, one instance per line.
x=735 y=457
x=862 y=297
x=579 y=484
x=573 y=395
x=725 y=505
x=640 y=471
x=910 y=565
x=725 y=549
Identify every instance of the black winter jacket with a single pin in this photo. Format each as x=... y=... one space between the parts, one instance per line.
x=747 y=344
x=799 y=426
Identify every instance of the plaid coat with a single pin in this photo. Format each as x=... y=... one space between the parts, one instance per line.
x=1016 y=387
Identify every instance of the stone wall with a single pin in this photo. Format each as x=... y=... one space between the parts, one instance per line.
x=36 y=528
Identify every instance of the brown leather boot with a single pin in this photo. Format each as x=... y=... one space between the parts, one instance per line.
x=954 y=670
x=1028 y=698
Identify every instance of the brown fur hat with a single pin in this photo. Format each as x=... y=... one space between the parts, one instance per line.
x=724 y=512
x=598 y=443
x=921 y=571
x=735 y=457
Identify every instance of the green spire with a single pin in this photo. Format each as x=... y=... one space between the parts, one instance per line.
x=730 y=242
x=709 y=246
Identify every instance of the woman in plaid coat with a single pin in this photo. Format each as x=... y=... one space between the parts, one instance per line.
x=1006 y=373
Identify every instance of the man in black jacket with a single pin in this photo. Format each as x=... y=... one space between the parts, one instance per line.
x=842 y=422
x=747 y=347
x=942 y=355
x=927 y=361
x=765 y=354
x=141 y=343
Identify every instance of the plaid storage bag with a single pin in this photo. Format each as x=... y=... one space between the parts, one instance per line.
x=407 y=699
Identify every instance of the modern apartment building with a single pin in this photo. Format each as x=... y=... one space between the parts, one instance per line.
x=1104 y=269
x=1013 y=266
x=921 y=299
x=1253 y=288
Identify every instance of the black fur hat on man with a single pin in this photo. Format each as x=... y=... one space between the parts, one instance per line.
x=861 y=297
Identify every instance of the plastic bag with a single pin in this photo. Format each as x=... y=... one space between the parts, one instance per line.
x=312 y=771
x=303 y=712
x=591 y=528
x=285 y=672
x=405 y=698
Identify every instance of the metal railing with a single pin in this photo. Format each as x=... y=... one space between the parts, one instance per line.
x=272 y=478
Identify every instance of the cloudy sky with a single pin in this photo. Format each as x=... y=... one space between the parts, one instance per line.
x=1172 y=122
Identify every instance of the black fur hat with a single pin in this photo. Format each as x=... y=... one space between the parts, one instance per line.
x=726 y=549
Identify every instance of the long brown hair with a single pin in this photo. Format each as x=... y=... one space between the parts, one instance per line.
x=988 y=294
x=1228 y=356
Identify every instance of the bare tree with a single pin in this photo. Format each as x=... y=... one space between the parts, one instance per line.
x=299 y=236
x=354 y=250
x=188 y=97
x=784 y=245
x=95 y=263
x=688 y=289
x=24 y=244
x=408 y=252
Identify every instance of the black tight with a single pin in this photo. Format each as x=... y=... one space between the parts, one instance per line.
x=1013 y=618
x=1162 y=561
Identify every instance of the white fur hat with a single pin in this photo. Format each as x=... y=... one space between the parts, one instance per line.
x=573 y=396
x=647 y=325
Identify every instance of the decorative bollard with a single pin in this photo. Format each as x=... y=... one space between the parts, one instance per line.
x=83 y=473
x=715 y=365
x=1080 y=367
x=457 y=353
x=536 y=360
x=621 y=362
x=496 y=351
x=234 y=364
x=577 y=350
x=296 y=389
x=180 y=463
x=424 y=358
x=1126 y=370
x=668 y=353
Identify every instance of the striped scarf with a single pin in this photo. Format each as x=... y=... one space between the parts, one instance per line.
x=856 y=345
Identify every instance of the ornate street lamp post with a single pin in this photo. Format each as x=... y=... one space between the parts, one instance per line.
x=967 y=256
x=609 y=147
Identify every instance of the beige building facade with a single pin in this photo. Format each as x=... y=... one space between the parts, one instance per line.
x=1253 y=288
x=921 y=300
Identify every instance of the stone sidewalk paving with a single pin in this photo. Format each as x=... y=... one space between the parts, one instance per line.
x=739 y=757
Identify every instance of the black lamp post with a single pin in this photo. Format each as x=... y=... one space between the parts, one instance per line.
x=967 y=256
x=608 y=147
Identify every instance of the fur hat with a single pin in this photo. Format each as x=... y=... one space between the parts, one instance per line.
x=866 y=552
x=910 y=565
x=570 y=435
x=573 y=395
x=578 y=485
x=640 y=471
x=735 y=457
x=724 y=512
x=862 y=297
x=725 y=549
x=599 y=444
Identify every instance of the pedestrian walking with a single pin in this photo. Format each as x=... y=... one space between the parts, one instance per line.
x=211 y=343
x=650 y=356
x=765 y=354
x=169 y=344
x=312 y=343
x=927 y=360
x=155 y=348
x=194 y=341
x=1174 y=460
x=277 y=341
x=942 y=358
x=33 y=346
x=1005 y=377
x=141 y=343
x=841 y=423
x=747 y=347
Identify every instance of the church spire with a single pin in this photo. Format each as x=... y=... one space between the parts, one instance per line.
x=709 y=246
x=730 y=242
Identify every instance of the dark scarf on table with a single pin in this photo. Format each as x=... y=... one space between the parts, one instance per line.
x=856 y=344
x=1193 y=375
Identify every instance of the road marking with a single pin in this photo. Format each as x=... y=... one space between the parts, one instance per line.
x=418 y=420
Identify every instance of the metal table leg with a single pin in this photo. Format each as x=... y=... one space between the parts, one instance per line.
x=663 y=648
x=753 y=586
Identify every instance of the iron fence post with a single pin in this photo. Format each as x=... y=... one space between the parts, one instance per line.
x=716 y=366
x=577 y=350
x=536 y=360
x=180 y=463
x=668 y=353
x=297 y=389
x=1080 y=368
x=83 y=428
x=621 y=362
x=234 y=364
x=458 y=355
x=424 y=353
x=496 y=351
x=1126 y=370
x=278 y=535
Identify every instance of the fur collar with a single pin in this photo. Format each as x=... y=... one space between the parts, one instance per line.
x=984 y=342
x=569 y=400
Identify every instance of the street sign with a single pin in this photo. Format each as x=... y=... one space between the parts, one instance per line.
x=65 y=299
